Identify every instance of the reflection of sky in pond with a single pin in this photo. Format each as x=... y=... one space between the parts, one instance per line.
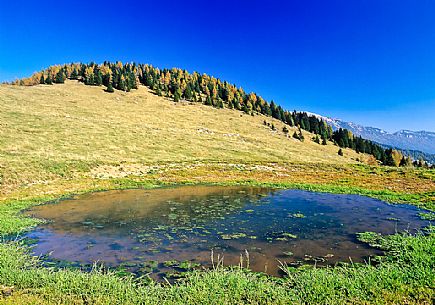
x=133 y=227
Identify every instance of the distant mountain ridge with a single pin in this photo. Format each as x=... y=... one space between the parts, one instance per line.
x=404 y=139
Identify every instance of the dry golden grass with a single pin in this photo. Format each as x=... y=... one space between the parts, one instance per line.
x=63 y=139
x=55 y=132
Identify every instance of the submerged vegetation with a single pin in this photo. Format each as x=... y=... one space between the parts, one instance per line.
x=403 y=276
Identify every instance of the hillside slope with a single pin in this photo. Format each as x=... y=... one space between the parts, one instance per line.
x=46 y=131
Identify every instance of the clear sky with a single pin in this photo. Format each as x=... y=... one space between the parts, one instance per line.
x=371 y=62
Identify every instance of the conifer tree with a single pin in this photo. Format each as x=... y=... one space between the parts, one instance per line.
x=208 y=101
x=110 y=88
x=219 y=104
x=296 y=135
x=340 y=152
x=389 y=160
x=42 y=79
x=301 y=135
x=48 y=80
x=188 y=93
x=158 y=91
x=98 y=78
x=177 y=95
x=285 y=130
x=122 y=83
x=60 y=77
x=74 y=74
x=406 y=161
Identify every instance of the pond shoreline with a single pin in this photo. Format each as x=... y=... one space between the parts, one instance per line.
x=16 y=223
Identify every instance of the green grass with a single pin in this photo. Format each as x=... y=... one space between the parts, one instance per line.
x=404 y=276
x=56 y=141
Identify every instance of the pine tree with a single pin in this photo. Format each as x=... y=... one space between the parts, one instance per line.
x=177 y=95
x=74 y=74
x=340 y=152
x=158 y=91
x=48 y=80
x=188 y=93
x=42 y=80
x=208 y=101
x=389 y=158
x=98 y=78
x=110 y=88
x=406 y=161
x=296 y=135
x=324 y=142
x=60 y=77
x=284 y=129
x=219 y=104
x=301 y=135
x=122 y=83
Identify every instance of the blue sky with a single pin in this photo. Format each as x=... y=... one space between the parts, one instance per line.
x=371 y=62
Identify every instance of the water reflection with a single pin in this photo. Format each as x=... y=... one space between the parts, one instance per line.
x=159 y=230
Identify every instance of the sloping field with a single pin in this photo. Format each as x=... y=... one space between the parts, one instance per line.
x=49 y=132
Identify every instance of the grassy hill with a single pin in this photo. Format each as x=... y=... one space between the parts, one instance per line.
x=70 y=138
x=50 y=132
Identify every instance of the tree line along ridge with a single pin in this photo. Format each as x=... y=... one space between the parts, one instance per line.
x=179 y=84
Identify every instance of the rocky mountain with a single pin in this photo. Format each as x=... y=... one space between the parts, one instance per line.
x=404 y=139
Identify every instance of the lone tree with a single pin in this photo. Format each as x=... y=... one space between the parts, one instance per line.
x=285 y=130
x=296 y=136
x=340 y=152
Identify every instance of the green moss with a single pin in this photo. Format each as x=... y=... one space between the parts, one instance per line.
x=427 y=216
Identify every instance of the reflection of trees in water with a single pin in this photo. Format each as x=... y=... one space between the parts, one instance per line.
x=127 y=210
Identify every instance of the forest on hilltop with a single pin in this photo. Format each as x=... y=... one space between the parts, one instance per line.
x=180 y=85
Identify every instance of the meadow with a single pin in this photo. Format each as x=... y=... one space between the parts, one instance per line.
x=60 y=140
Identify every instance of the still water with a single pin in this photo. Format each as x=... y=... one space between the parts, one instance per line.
x=168 y=230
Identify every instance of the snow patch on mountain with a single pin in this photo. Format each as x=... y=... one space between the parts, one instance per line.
x=404 y=139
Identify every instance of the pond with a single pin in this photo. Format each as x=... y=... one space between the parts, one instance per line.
x=165 y=231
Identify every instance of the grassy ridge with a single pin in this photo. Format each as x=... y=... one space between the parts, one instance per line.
x=64 y=131
x=56 y=141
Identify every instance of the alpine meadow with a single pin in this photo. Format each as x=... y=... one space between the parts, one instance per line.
x=134 y=182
